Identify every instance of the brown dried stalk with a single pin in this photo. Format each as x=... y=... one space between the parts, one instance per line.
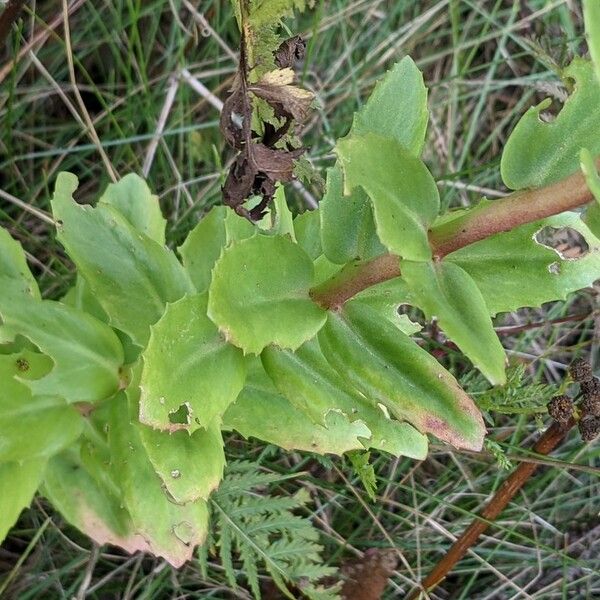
x=549 y=440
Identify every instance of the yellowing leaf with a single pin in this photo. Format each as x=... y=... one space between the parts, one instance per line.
x=390 y=369
x=260 y=411
x=171 y=531
x=307 y=380
x=187 y=363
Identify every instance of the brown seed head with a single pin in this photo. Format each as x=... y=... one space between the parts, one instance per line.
x=560 y=408
x=581 y=370
x=589 y=428
x=590 y=405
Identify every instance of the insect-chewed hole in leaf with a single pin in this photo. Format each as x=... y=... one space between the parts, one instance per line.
x=416 y=315
x=567 y=242
x=181 y=416
x=556 y=97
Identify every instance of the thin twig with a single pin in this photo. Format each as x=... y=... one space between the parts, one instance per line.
x=84 y=113
x=547 y=442
x=38 y=39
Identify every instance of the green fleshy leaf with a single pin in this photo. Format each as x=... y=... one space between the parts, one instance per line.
x=87 y=354
x=591 y=16
x=447 y=293
x=307 y=227
x=539 y=153
x=397 y=108
x=203 y=247
x=32 y=426
x=131 y=275
x=15 y=276
x=347 y=226
x=190 y=466
x=390 y=368
x=132 y=197
x=592 y=178
x=513 y=270
x=238 y=228
x=282 y=220
x=19 y=481
x=307 y=380
x=386 y=298
x=87 y=504
x=590 y=171
x=187 y=363
x=403 y=192
x=259 y=294
x=171 y=531
x=260 y=411
x=592 y=218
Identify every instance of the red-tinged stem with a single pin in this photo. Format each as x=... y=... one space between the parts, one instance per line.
x=549 y=440
x=489 y=219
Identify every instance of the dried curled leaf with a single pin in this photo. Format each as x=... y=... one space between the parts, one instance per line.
x=287 y=100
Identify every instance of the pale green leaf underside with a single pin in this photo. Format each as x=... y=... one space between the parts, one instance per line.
x=543 y=275
x=397 y=107
x=172 y=531
x=386 y=298
x=259 y=294
x=347 y=226
x=390 y=368
x=261 y=412
x=132 y=197
x=447 y=293
x=19 y=481
x=203 y=247
x=32 y=426
x=591 y=16
x=539 y=153
x=86 y=502
x=187 y=362
x=403 y=193
x=190 y=466
x=86 y=353
x=307 y=228
x=307 y=380
x=15 y=276
x=131 y=275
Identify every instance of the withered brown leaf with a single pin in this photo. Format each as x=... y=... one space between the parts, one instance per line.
x=287 y=100
x=290 y=51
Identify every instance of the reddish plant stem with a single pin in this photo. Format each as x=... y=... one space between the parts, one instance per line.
x=477 y=224
x=547 y=442
x=9 y=15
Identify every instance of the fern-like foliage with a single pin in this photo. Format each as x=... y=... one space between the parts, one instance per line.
x=254 y=529
x=517 y=396
x=262 y=23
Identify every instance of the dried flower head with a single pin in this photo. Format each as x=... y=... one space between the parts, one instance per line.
x=560 y=408
x=589 y=428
